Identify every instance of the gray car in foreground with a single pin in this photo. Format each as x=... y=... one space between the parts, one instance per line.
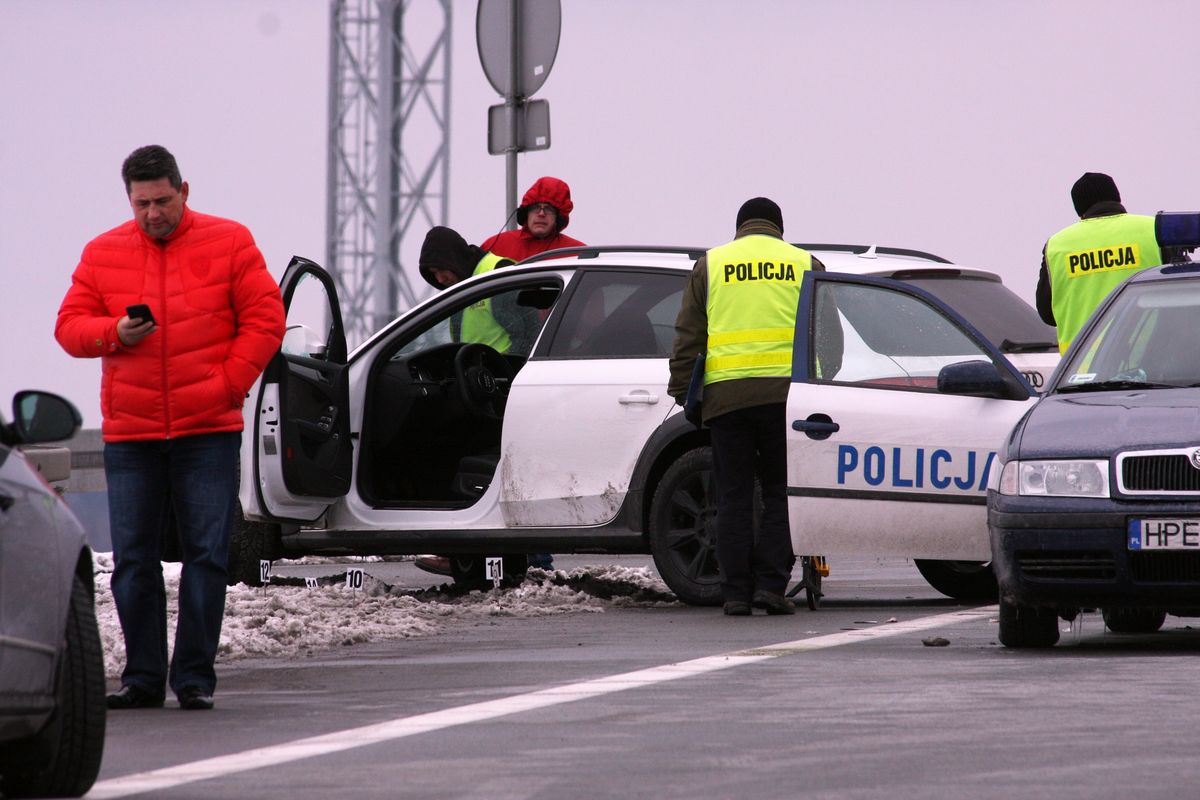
x=52 y=712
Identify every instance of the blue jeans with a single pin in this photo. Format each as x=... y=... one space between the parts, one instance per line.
x=193 y=478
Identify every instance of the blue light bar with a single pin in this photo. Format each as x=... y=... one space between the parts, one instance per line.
x=1177 y=228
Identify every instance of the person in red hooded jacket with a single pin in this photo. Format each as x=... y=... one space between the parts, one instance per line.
x=175 y=373
x=544 y=212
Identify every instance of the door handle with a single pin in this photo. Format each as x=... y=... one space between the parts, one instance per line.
x=817 y=426
x=638 y=397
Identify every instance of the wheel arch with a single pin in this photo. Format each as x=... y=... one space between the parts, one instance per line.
x=85 y=570
x=669 y=441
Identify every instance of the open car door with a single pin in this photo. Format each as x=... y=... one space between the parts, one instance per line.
x=303 y=454
x=896 y=410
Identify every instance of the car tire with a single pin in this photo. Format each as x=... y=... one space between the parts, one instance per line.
x=250 y=543
x=683 y=529
x=963 y=580
x=64 y=757
x=1027 y=626
x=1134 y=620
x=468 y=571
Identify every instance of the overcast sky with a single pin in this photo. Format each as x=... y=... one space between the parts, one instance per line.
x=944 y=125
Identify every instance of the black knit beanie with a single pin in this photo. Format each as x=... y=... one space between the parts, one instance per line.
x=1092 y=188
x=444 y=248
x=760 y=208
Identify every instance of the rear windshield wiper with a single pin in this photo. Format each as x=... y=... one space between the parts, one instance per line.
x=1009 y=346
x=1109 y=386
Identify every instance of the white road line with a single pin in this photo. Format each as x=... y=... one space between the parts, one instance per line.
x=314 y=746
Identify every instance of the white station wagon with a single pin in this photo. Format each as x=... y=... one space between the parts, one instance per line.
x=567 y=442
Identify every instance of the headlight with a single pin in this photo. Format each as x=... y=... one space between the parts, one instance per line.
x=1055 y=478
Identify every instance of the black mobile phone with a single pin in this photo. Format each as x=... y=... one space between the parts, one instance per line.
x=140 y=311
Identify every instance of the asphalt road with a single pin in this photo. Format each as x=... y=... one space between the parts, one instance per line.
x=677 y=702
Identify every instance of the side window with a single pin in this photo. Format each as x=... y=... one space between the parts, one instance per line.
x=508 y=321
x=308 y=327
x=617 y=314
x=871 y=335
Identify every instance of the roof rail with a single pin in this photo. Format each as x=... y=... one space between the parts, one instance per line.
x=860 y=249
x=594 y=252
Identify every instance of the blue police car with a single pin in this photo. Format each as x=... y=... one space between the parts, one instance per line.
x=1097 y=502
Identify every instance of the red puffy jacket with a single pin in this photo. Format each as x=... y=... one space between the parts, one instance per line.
x=521 y=244
x=220 y=320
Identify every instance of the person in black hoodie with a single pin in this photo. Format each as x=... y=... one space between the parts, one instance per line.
x=498 y=322
x=447 y=259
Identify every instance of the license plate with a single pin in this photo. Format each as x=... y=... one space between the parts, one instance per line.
x=1164 y=534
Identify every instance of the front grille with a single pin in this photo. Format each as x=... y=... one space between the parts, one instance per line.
x=1165 y=567
x=1159 y=472
x=1049 y=565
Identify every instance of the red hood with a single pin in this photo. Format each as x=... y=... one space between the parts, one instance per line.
x=552 y=191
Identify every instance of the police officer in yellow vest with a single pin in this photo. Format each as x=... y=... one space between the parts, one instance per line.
x=739 y=311
x=1083 y=263
x=446 y=259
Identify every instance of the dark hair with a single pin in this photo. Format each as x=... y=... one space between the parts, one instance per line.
x=150 y=163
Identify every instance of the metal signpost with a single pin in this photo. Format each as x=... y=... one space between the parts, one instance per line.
x=518 y=40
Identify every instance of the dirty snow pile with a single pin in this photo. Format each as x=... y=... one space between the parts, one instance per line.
x=298 y=620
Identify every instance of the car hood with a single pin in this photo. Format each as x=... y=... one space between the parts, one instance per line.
x=1101 y=423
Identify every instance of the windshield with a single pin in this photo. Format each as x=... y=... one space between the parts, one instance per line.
x=1145 y=339
x=1005 y=319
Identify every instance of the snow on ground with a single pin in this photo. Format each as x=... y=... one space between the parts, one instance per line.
x=293 y=620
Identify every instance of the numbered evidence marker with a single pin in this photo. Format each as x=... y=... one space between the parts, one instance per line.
x=310 y=582
x=493 y=567
x=354 y=579
x=264 y=573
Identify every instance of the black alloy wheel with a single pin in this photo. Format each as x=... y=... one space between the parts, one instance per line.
x=683 y=529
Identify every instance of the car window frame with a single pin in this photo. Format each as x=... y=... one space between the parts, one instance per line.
x=803 y=368
x=455 y=299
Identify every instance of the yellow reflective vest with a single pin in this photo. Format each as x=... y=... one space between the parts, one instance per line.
x=1089 y=259
x=478 y=324
x=753 y=291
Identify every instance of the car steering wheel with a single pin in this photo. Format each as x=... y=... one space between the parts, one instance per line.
x=483 y=377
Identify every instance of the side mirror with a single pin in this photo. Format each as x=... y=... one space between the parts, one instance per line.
x=44 y=417
x=301 y=340
x=979 y=379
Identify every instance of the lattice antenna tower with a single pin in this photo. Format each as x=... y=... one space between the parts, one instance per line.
x=389 y=151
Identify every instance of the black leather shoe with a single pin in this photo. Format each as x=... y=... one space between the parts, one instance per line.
x=737 y=608
x=134 y=696
x=773 y=603
x=193 y=698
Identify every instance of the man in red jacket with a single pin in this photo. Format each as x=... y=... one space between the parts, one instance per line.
x=174 y=375
x=544 y=212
